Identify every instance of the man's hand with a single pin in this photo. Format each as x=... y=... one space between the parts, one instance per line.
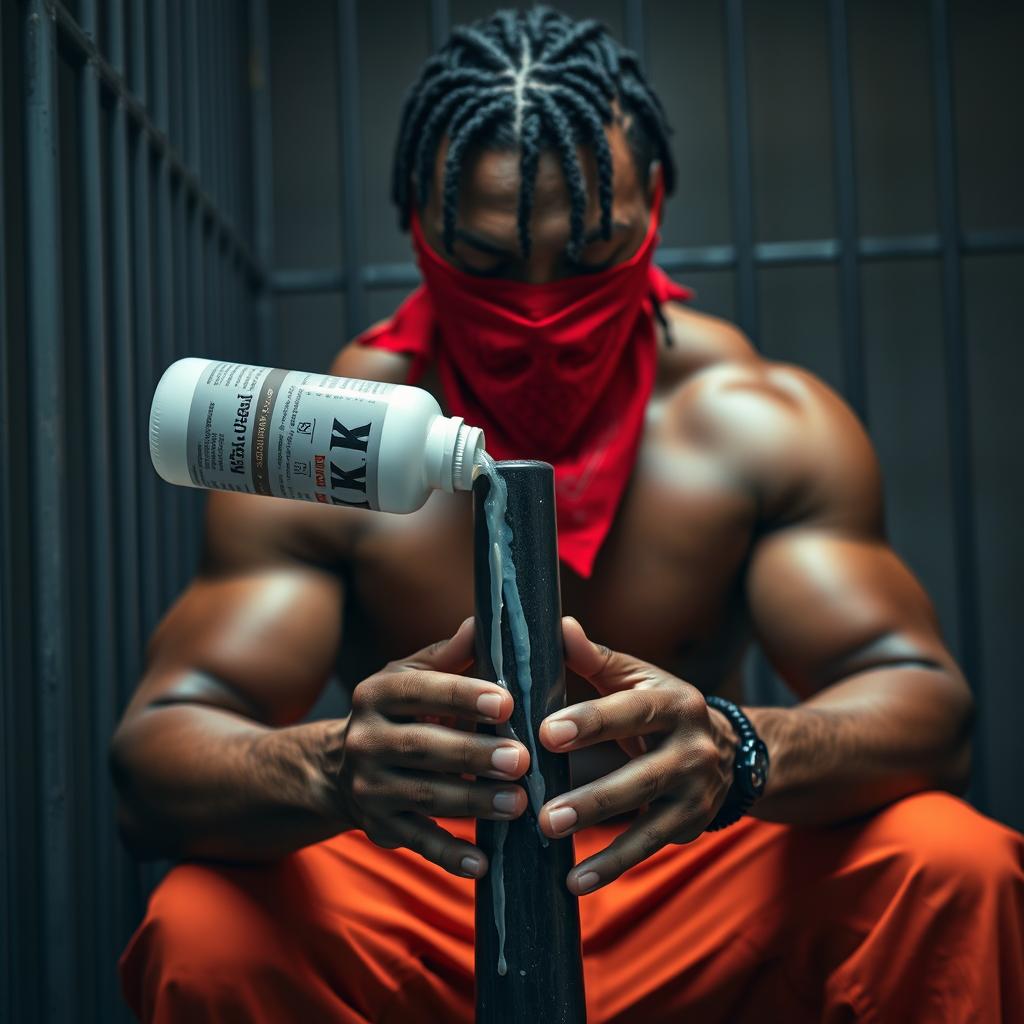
x=391 y=766
x=682 y=758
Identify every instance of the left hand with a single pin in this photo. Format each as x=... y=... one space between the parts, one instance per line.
x=682 y=754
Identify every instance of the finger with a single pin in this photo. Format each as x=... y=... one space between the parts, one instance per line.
x=653 y=829
x=607 y=670
x=438 y=749
x=629 y=713
x=642 y=780
x=434 y=843
x=452 y=655
x=420 y=692
x=442 y=796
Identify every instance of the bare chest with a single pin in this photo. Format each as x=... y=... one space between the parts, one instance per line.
x=667 y=585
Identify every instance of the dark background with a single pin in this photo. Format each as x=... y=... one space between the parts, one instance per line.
x=211 y=176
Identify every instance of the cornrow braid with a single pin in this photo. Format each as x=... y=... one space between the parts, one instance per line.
x=531 y=81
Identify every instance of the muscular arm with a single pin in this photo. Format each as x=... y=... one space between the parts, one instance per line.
x=208 y=759
x=884 y=708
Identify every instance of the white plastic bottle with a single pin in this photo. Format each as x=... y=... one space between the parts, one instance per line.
x=310 y=436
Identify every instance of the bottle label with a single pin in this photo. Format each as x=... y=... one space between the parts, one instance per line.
x=287 y=433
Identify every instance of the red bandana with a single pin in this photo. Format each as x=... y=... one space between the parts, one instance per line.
x=559 y=371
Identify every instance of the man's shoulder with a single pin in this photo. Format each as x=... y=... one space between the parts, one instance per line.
x=778 y=428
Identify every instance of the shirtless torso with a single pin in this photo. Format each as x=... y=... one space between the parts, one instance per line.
x=667 y=586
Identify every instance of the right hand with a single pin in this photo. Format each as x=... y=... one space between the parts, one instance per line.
x=393 y=772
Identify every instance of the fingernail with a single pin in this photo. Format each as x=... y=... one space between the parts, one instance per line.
x=506 y=803
x=471 y=866
x=562 y=818
x=562 y=731
x=506 y=759
x=587 y=881
x=489 y=705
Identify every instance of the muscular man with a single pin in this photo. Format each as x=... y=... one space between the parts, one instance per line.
x=726 y=500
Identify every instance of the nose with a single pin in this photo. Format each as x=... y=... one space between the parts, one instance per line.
x=546 y=262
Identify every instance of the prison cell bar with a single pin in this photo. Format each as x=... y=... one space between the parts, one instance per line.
x=961 y=469
x=9 y=791
x=49 y=555
x=104 y=667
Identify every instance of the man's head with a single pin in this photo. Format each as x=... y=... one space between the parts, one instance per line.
x=531 y=146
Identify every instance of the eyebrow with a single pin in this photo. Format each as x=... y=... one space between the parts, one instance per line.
x=493 y=248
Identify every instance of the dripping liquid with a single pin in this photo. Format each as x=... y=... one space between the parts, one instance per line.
x=505 y=604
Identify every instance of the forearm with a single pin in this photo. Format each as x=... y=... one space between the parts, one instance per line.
x=863 y=742
x=198 y=781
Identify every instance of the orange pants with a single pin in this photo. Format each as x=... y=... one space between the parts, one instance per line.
x=913 y=914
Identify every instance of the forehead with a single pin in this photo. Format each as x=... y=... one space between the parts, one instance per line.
x=490 y=178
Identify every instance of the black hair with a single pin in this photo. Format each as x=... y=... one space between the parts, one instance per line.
x=530 y=80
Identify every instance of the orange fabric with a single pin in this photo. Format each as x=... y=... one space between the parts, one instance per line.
x=913 y=914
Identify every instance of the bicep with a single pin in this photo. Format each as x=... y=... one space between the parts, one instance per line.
x=258 y=630
x=827 y=604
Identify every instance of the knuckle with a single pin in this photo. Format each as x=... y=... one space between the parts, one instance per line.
x=409 y=745
x=407 y=687
x=363 y=695
x=420 y=793
x=650 y=782
x=360 y=741
x=469 y=756
x=362 y=788
x=452 y=692
x=650 y=839
x=604 y=799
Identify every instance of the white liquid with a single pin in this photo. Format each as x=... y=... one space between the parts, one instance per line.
x=505 y=596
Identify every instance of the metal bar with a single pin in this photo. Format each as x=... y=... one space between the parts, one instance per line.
x=741 y=179
x=742 y=197
x=175 y=76
x=144 y=382
x=234 y=117
x=10 y=974
x=262 y=199
x=181 y=345
x=124 y=377
x=543 y=976
x=1003 y=240
x=207 y=156
x=957 y=375
x=114 y=82
x=161 y=72
x=854 y=376
x=352 y=179
x=140 y=69
x=168 y=506
x=810 y=252
x=48 y=550
x=190 y=60
x=196 y=327
x=103 y=670
x=216 y=100
x=165 y=322
x=440 y=23
x=115 y=29
x=635 y=29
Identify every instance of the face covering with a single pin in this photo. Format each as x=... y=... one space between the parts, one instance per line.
x=560 y=371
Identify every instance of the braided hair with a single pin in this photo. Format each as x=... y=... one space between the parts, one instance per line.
x=531 y=81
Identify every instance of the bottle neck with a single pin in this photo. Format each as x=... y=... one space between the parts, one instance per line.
x=450 y=453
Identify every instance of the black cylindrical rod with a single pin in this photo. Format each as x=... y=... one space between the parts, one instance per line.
x=544 y=977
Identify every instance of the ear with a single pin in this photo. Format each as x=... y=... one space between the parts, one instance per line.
x=654 y=181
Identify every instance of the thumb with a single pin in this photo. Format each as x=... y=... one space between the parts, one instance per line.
x=452 y=655
x=607 y=670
